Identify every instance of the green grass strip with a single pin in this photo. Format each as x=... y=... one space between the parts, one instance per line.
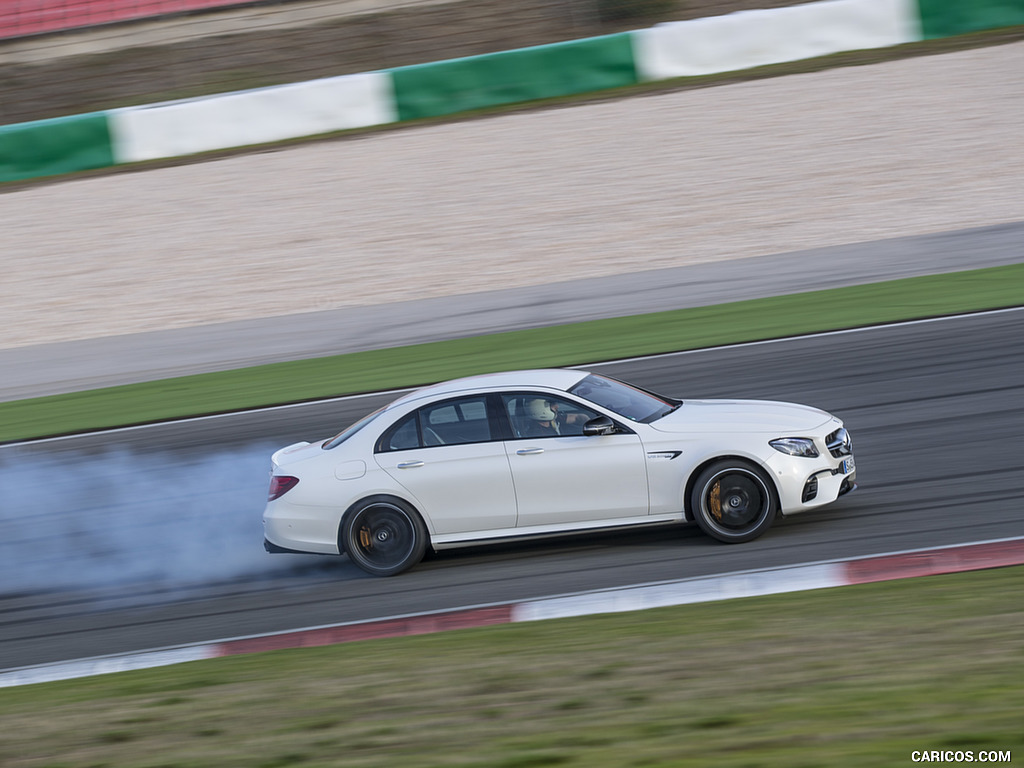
x=572 y=344
x=856 y=676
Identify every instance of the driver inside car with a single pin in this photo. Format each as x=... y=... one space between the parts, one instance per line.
x=544 y=420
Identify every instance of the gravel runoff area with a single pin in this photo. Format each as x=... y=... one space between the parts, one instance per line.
x=610 y=187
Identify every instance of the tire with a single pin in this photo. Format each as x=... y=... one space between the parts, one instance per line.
x=733 y=501
x=382 y=535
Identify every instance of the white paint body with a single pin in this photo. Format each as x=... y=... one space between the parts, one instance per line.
x=515 y=487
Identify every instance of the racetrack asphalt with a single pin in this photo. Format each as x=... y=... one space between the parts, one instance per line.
x=60 y=367
x=172 y=511
x=729 y=586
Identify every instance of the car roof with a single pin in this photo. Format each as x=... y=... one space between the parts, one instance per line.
x=546 y=378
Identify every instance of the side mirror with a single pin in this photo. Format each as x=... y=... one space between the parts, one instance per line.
x=600 y=425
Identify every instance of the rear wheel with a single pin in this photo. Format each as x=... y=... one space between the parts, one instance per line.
x=383 y=536
x=732 y=501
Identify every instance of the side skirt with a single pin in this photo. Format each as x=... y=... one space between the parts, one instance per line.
x=453 y=540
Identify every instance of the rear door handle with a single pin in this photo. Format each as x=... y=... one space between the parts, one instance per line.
x=409 y=464
x=529 y=451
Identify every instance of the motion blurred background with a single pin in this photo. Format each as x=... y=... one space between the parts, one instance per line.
x=136 y=540
x=62 y=57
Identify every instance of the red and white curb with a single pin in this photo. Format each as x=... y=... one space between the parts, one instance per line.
x=769 y=581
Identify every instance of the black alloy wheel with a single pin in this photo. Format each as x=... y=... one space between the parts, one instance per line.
x=733 y=501
x=383 y=536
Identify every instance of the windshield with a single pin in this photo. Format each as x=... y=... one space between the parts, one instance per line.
x=624 y=399
x=334 y=442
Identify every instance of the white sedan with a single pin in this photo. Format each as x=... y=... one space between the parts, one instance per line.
x=535 y=453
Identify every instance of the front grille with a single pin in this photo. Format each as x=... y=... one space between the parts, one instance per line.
x=839 y=443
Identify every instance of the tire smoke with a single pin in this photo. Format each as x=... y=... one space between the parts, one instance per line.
x=121 y=518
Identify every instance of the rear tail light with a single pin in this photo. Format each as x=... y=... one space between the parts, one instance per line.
x=280 y=485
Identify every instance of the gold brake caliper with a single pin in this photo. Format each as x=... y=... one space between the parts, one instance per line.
x=364 y=537
x=715 y=500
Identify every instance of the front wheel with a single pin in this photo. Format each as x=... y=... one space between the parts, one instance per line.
x=383 y=536
x=733 y=502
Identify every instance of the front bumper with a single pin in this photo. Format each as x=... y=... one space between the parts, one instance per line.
x=810 y=483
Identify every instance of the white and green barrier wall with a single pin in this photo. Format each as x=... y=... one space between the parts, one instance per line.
x=678 y=49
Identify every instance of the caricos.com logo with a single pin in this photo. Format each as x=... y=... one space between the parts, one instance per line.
x=960 y=756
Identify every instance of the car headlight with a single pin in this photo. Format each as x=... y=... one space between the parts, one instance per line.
x=795 y=446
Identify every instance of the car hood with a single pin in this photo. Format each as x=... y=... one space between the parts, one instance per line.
x=781 y=419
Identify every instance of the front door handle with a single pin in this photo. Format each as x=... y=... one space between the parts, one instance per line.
x=410 y=464
x=529 y=451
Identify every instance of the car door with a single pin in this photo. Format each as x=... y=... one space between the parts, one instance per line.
x=450 y=459
x=564 y=477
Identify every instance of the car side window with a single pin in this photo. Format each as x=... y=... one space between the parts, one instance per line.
x=534 y=415
x=403 y=436
x=455 y=422
x=452 y=422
